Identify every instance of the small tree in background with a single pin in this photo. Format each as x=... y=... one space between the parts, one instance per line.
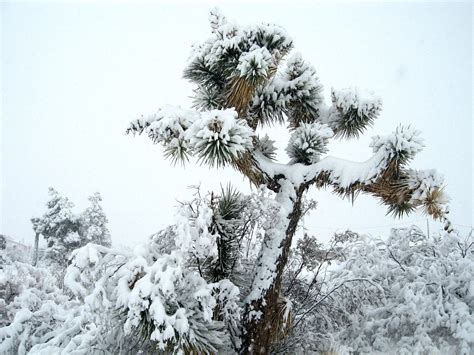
x=59 y=227
x=65 y=231
x=242 y=83
x=93 y=223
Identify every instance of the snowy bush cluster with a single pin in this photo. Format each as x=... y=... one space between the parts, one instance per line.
x=428 y=293
x=184 y=290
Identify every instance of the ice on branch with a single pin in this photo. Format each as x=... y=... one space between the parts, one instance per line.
x=402 y=145
x=308 y=142
x=352 y=111
x=219 y=137
x=254 y=65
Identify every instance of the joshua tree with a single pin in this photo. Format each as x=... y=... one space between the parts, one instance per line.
x=246 y=77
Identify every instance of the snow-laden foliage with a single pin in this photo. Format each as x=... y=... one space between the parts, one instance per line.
x=402 y=145
x=407 y=294
x=216 y=137
x=243 y=80
x=294 y=93
x=229 y=47
x=322 y=305
x=186 y=288
x=428 y=300
x=254 y=65
x=308 y=142
x=219 y=137
x=93 y=223
x=167 y=296
x=65 y=230
x=31 y=307
x=172 y=304
x=352 y=111
x=59 y=226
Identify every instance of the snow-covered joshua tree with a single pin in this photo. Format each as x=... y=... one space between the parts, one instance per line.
x=246 y=77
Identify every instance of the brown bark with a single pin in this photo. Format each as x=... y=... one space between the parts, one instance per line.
x=260 y=334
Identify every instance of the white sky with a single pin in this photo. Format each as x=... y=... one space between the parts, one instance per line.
x=73 y=76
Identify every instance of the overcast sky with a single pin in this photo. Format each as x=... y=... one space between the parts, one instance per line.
x=73 y=76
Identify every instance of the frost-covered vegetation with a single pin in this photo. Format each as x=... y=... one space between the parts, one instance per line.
x=64 y=230
x=229 y=275
x=185 y=290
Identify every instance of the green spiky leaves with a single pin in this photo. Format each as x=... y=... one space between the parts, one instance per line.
x=216 y=137
x=304 y=89
x=219 y=137
x=295 y=95
x=230 y=203
x=308 y=142
x=353 y=111
x=266 y=146
x=401 y=146
x=254 y=65
x=207 y=98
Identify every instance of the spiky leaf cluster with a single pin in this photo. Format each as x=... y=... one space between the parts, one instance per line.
x=219 y=137
x=401 y=146
x=247 y=52
x=353 y=111
x=207 y=98
x=216 y=137
x=227 y=224
x=308 y=142
x=266 y=146
x=294 y=94
x=254 y=65
x=427 y=186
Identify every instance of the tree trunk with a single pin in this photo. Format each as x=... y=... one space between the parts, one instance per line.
x=35 y=251
x=260 y=333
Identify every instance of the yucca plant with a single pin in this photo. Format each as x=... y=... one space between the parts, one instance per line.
x=243 y=82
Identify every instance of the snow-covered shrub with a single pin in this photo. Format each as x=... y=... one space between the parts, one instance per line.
x=322 y=305
x=32 y=307
x=408 y=294
x=428 y=301
x=165 y=297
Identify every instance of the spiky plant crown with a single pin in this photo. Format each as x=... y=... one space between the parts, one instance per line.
x=308 y=142
x=219 y=137
x=240 y=73
x=355 y=110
